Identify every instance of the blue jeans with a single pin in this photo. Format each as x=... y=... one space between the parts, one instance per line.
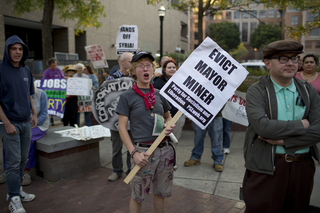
x=87 y=119
x=226 y=132
x=214 y=130
x=17 y=150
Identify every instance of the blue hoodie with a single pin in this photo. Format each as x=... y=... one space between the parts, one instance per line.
x=16 y=85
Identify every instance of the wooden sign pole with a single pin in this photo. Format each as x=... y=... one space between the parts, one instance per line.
x=153 y=146
x=79 y=132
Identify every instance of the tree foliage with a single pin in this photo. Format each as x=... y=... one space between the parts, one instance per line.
x=301 y=5
x=226 y=34
x=207 y=7
x=239 y=52
x=265 y=34
x=85 y=12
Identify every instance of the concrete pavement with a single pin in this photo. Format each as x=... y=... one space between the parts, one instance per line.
x=197 y=189
x=202 y=177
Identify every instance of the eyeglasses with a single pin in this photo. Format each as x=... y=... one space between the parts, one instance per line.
x=285 y=59
x=141 y=66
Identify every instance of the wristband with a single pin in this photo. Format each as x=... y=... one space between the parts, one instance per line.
x=134 y=151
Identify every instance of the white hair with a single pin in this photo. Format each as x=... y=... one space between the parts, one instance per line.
x=79 y=65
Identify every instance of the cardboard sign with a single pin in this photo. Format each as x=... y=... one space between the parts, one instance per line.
x=79 y=86
x=127 y=39
x=105 y=101
x=204 y=83
x=55 y=90
x=84 y=103
x=235 y=109
x=97 y=56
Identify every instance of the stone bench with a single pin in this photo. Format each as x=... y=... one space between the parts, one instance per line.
x=60 y=157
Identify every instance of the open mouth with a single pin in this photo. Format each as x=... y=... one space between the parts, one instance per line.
x=146 y=75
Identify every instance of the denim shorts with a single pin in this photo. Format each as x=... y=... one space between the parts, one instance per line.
x=158 y=171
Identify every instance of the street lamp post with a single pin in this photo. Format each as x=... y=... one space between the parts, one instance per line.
x=162 y=13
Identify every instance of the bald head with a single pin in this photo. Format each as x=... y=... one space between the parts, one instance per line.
x=164 y=59
x=125 y=61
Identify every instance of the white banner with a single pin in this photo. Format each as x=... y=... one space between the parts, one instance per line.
x=235 y=109
x=127 y=39
x=79 y=86
x=97 y=56
x=204 y=82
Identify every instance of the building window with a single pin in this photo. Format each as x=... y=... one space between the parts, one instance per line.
x=314 y=32
x=218 y=16
x=271 y=13
x=294 y=20
x=279 y=13
x=195 y=46
x=280 y=23
x=262 y=14
x=253 y=26
x=236 y=15
x=184 y=30
x=291 y=9
x=195 y=23
x=244 y=31
x=244 y=15
x=311 y=16
x=253 y=14
x=308 y=45
x=196 y=36
x=318 y=45
x=228 y=15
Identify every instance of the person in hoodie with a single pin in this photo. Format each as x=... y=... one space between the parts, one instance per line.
x=284 y=124
x=17 y=116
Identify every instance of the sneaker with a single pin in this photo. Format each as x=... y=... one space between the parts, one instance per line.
x=25 y=197
x=191 y=162
x=226 y=150
x=114 y=176
x=218 y=167
x=26 y=179
x=15 y=205
x=3 y=178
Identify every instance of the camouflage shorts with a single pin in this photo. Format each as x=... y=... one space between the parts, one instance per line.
x=159 y=171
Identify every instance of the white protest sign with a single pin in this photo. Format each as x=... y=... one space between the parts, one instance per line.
x=127 y=39
x=79 y=86
x=235 y=109
x=97 y=56
x=204 y=83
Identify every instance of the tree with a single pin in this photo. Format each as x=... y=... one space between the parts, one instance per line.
x=226 y=34
x=265 y=34
x=240 y=52
x=86 y=12
x=302 y=5
x=207 y=7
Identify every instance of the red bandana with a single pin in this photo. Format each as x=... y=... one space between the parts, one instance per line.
x=149 y=98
